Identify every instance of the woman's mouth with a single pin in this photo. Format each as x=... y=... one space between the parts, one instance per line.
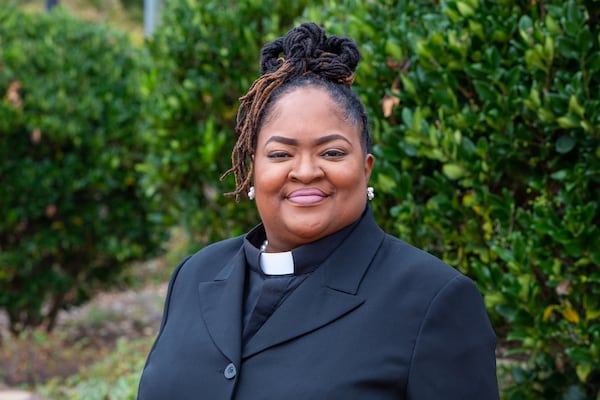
x=306 y=196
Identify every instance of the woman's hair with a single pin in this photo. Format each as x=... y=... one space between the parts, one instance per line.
x=306 y=56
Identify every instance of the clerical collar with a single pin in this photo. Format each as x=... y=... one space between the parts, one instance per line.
x=277 y=263
x=301 y=260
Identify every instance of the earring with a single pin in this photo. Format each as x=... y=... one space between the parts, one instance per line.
x=251 y=193
x=370 y=193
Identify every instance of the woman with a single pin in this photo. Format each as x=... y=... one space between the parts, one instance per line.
x=316 y=302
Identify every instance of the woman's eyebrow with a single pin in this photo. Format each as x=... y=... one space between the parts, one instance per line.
x=331 y=138
x=318 y=141
x=282 y=139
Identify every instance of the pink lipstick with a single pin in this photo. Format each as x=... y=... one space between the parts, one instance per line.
x=306 y=196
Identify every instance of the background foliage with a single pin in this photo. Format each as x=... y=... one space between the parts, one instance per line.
x=125 y=15
x=72 y=214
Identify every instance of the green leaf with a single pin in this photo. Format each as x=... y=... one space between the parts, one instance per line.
x=575 y=107
x=393 y=49
x=574 y=19
x=464 y=9
x=566 y=122
x=552 y=25
x=593 y=62
x=579 y=354
x=565 y=144
x=407 y=117
x=559 y=175
x=526 y=28
x=485 y=91
x=454 y=171
x=583 y=371
x=385 y=182
x=567 y=47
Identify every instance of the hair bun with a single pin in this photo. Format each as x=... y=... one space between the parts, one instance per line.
x=309 y=50
x=304 y=42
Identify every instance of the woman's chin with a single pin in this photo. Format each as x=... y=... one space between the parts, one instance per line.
x=304 y=230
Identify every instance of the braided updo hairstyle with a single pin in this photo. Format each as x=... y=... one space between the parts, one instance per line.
x=306 y=56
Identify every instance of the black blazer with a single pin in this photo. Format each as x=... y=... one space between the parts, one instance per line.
x=379 y=319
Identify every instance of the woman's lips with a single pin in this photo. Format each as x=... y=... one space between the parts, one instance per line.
x=306 y=196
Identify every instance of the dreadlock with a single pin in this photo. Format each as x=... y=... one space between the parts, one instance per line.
x=305 y=56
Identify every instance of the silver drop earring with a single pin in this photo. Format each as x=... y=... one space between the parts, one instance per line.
x=370 y=193
x=251 y=193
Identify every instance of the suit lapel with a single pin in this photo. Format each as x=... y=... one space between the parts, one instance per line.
x=221 y=307
x=309 y=307
x=327 y=294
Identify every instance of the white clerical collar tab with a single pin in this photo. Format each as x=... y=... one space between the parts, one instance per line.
x=277 y=263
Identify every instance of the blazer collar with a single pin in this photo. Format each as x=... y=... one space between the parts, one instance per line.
x=348 y=264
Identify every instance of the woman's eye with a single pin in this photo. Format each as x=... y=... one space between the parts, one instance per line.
x=278 y=154
x=334 y=153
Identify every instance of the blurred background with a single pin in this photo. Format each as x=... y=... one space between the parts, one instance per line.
x=114 y=133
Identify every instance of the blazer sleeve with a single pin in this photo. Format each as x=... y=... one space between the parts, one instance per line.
x=454 y=355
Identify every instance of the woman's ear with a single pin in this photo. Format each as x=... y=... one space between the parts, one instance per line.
x=369 y=161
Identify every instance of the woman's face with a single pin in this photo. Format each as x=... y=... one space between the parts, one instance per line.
x=310 y=171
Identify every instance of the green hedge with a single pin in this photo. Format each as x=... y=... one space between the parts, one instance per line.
x=72 y=216
x=487 y=124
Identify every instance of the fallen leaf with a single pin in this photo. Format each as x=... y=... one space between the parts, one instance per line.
x=388 y=103
x=563 y=288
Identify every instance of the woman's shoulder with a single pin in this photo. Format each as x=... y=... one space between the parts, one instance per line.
x=210 y=259
x=218 y=249
x=409 y=262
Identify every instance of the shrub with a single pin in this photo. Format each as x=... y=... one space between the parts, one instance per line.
x=207 y=56
x=73 y=216
x=487 y=123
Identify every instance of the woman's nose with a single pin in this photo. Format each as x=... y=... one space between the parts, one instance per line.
x=306 y=169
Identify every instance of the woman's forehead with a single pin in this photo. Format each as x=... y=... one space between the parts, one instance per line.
x=301 y=99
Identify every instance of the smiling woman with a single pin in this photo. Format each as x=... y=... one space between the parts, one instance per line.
x=316 y=302
x=310 y=171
